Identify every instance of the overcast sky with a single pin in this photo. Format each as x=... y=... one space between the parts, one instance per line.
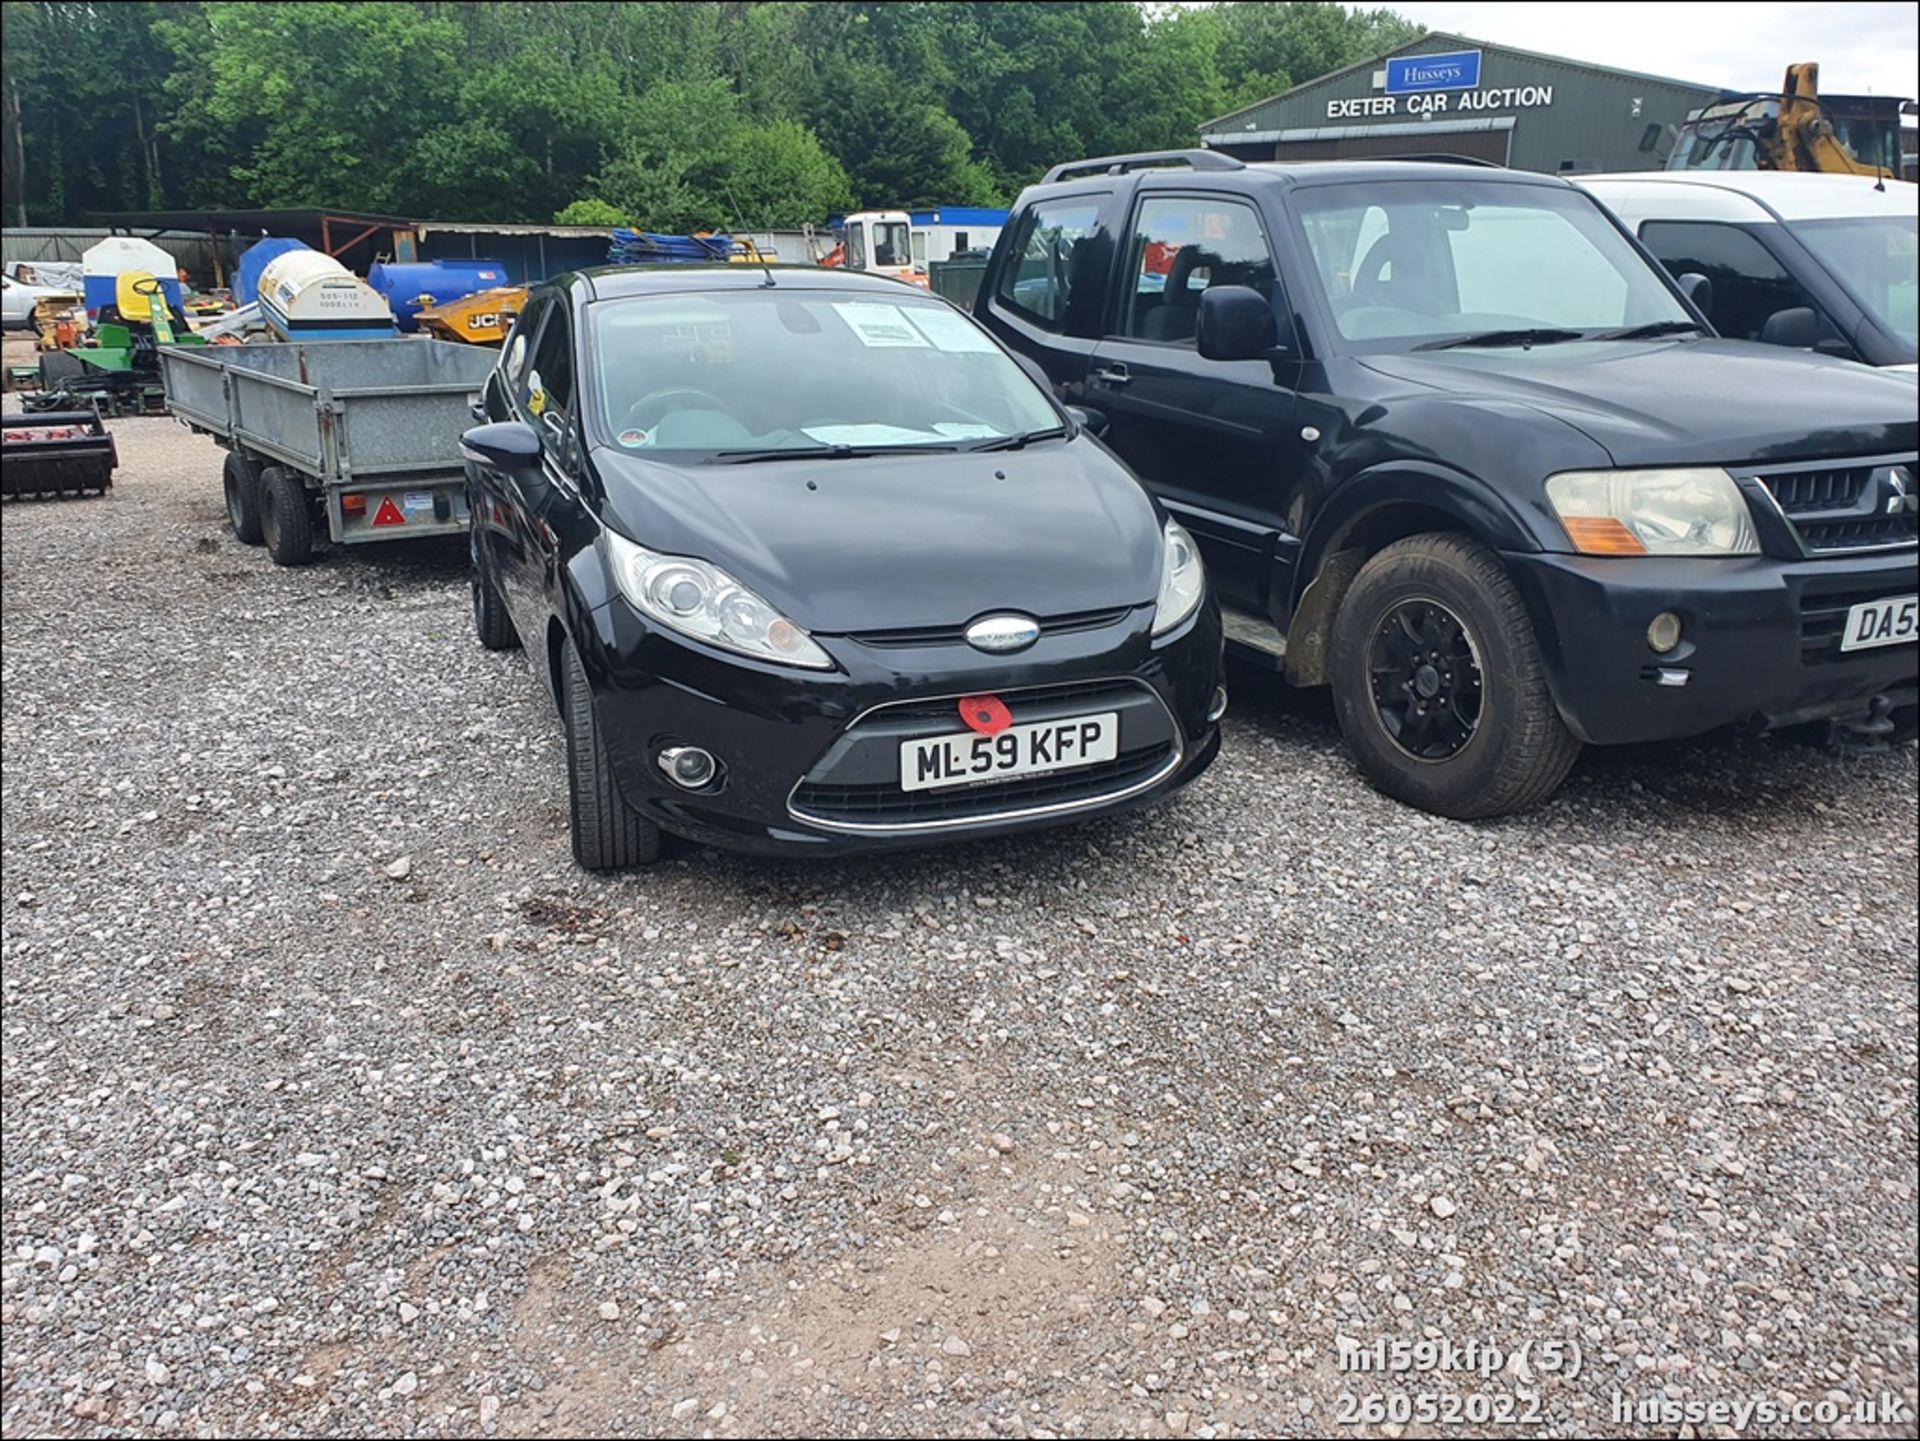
x=1861 y=47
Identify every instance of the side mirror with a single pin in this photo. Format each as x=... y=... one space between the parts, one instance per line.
x=1697 y=288
x=1235 y=323
x=509 y=446
x=477 y=408
x=1797 y=328
x=1093 y=422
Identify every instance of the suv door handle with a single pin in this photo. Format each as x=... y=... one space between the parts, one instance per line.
x=1115 y=374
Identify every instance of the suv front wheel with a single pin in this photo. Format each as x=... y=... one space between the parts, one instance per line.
x=1439 y=686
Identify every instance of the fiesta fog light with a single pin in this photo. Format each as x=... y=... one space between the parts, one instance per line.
x=1219 y=706
x=1663 y=632
x=688 y=767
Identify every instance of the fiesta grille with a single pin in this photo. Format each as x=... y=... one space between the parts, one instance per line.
x=957 y=634
x=856 y=786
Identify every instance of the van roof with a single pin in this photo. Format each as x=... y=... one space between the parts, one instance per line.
x=1757 y=194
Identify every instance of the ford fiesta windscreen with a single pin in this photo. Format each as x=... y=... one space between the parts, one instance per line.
x=727 y=375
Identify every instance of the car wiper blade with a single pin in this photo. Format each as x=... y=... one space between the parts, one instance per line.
x=820 y=452
x=1493 y=338
x=1017 y=442
x=1651 y=329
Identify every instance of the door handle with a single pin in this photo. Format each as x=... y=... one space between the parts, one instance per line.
x=1115 y=374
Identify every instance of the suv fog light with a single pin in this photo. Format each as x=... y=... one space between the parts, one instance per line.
x=1219 y=706
x=1663 y=634
x=688 y=767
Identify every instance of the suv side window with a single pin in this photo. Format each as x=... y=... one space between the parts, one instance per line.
x=513 y=357
x=1749 y=285
x=1048 y=251
x=1181 y=246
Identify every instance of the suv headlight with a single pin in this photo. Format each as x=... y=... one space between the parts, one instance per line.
x=1695 y=511
x=704 y=602
x=1182 y=580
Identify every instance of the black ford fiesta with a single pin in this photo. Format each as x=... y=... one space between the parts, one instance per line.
x=811 y=564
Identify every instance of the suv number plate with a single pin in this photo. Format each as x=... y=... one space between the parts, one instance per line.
x=1882 y=622
x=1022 y=750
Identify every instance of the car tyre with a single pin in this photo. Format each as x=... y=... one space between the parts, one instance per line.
x=608 y=834
x=1439 y=686
x=241 y=481
x=286 y=522
x=490 y=621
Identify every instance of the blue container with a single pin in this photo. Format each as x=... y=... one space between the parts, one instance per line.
x=254 y=259
x=403 y=283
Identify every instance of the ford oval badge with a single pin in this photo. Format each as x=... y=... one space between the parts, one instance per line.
x=1003 y=633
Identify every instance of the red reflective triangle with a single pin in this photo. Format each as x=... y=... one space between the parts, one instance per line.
x=388 y=513
x=987 y=714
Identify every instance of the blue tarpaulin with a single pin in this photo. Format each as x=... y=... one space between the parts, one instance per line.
x=643 y=247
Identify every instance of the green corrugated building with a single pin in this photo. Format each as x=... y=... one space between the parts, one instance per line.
x=1449 y=95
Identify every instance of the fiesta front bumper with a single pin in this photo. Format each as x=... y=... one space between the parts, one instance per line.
x=809 y=759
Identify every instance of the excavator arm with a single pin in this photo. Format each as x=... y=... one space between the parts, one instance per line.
x=1806 y=140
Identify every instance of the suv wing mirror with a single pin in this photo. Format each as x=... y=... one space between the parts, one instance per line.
x=1802 y=328
x=1235 y=323
x=1697 y=288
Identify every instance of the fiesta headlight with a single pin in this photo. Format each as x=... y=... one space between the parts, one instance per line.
x=1182 y=579
x=704 y=602
x=1694 y=511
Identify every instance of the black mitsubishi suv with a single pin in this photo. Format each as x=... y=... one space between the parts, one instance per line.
x=1452 y=443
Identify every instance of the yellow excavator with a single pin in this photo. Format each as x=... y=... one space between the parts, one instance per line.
x=1796 y=130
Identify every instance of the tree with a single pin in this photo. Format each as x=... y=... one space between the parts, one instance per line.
x=676 y=114
x=775 y=176
x=1270 y=48
x=592 y=212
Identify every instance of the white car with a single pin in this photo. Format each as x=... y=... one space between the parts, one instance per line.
x=25 y=283
x=1822 y=262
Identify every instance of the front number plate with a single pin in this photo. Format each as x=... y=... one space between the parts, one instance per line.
x=1882 y=622
x=1022 y=750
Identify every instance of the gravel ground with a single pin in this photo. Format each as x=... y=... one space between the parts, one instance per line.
x=338 y=1102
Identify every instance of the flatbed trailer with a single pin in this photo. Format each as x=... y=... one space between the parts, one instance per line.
x=359 y=437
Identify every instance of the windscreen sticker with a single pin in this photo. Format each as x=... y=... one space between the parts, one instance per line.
x=949 y=329
x=868 y=435
x=635 y=439
x=879 y=325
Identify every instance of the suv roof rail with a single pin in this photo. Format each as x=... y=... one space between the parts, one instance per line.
x=1121 y=164
x=1444 y=158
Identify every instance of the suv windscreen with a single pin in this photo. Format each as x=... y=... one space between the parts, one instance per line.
x=800 y=370
x=1405 y=263
x=1876 y=258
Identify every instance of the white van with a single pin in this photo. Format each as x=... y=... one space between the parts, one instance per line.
x=1821 y=262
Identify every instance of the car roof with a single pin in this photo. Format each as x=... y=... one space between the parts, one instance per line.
x=609 y=282
x=1753 y=194
x=1314 y=172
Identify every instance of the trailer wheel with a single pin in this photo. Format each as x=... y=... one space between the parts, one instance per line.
x=286 y=524
x=241 y=480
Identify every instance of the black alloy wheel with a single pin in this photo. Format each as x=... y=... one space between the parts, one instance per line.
x=1427 y=684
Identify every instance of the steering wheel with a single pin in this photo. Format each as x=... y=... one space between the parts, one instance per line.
x=639 y=417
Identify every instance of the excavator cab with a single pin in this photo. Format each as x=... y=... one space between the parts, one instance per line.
x=1795 y=130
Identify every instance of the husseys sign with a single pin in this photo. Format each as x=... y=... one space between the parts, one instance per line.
x=1427 y=85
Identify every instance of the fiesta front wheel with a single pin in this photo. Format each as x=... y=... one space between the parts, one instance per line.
x=608 y=834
